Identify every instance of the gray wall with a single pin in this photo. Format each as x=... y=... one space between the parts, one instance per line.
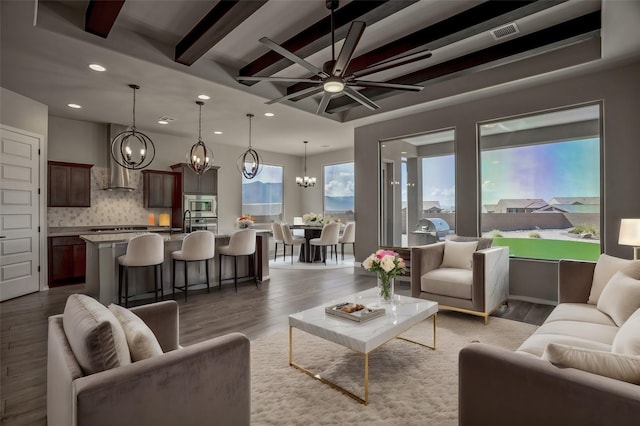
x=23 y=113
x=617 y=87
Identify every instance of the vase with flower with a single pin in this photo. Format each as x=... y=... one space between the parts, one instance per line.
x=313 y=219
x=245 y=221
x=387 y=264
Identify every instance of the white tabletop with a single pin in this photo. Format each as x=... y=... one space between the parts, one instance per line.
x=400 y=316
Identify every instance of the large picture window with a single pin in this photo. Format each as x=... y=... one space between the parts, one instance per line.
x=540 y=175
x=262 y=196
x=417 y=199
x=339 y=186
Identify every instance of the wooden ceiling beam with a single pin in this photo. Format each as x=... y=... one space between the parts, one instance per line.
x=318 y=36
x=223 y=18
x=101 y=15
x=585 y=26
x=473 y=21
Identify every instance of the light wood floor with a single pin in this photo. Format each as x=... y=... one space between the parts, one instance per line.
x=256 y=312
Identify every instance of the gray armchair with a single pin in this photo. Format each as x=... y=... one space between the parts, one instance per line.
x=477 y=290
x=207 y=383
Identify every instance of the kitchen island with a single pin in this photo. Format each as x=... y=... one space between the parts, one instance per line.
x=103 y=251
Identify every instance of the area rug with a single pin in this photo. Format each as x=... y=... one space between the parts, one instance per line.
x=348 y=262
x=408 y=384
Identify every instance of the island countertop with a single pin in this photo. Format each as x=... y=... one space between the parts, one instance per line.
x=124 y=237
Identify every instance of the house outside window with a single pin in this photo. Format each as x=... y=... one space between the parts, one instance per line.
x=339 y=187
x=541 y=184
x=262 y=196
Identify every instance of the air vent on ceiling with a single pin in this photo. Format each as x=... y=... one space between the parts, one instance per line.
x=504 y=31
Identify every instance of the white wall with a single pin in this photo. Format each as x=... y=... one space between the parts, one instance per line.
x=76 y=141
x=23 y=113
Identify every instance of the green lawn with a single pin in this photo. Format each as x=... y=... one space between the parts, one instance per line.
x=549 y=249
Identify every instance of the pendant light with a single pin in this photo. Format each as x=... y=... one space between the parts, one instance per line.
x=133 y=149
x=250 y=163
x=200 y=157
x=305 y=181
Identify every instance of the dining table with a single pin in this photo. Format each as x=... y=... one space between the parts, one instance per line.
x=310 y=231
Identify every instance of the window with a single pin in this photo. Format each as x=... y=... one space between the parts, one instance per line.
x=339 y=185
x=418 y=184
x=541 y=188
x=262 y=196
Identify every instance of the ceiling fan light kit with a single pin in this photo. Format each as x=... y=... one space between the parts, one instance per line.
x=133 y=149
x=332 y=78
x=200 y=157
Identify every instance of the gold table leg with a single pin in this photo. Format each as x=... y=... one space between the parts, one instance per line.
x=422 y=344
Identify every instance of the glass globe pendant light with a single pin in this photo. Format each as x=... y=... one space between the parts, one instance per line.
x=133 y=149
x=250 y=163
x=200 y=157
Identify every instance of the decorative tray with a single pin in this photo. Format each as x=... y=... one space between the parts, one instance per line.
x=354 y=312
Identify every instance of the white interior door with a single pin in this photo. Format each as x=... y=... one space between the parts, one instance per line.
x=19 y=214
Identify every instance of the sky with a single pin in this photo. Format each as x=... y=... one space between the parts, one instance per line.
x=339 y=180
x=561 y=169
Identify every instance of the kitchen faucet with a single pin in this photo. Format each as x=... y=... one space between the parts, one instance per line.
x=184 y=222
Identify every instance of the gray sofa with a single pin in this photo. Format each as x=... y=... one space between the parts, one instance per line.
x=501 y=387
x=207 y=383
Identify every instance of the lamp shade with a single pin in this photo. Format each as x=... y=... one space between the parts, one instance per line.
x=629 y=232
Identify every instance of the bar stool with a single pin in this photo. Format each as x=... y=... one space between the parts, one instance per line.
x=142 y=251
x=198 y=246
x=241 y=243
x=328 y=237
x=278 y=238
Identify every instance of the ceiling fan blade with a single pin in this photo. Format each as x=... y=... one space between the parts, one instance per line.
x=324 y=102
x=276 y=79
x=394 y=86
x=356 y=96
x=393 y=62
x=348 y=47
x=292 y=57
x=309 y=91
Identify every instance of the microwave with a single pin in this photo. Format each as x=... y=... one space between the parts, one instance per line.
x=201 y=205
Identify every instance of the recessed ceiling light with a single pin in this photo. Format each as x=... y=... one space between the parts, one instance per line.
x=76 y=106
x=325 y=146
x=204 y=97
x=269 y=114
x=217 y=132
x=403 y=152
x=163 y=122
x=97 y=67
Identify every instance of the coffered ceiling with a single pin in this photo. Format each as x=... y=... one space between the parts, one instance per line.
x=176 y=50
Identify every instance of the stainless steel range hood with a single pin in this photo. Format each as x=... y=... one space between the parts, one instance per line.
x=119 y=179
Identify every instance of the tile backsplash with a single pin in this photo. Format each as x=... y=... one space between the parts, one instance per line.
x=107 y=207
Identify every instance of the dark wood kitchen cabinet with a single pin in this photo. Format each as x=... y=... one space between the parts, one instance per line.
x=160 y=188
x=67 y=260
x=69 y=184
x=193 y=183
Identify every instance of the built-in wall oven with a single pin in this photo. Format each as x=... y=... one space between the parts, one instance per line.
x=200 y=212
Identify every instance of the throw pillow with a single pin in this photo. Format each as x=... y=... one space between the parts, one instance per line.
x=458 y=254
x=627 y=340
x=616 y=366
x=142 y=342
x=94 y=334
x=606 y=267
x=620 y=297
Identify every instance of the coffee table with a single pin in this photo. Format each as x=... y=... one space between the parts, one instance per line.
x=365 y=337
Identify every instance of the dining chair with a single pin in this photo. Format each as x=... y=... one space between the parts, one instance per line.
x=328 y=238
x=197 y=246
x=278 y=239
x=290 y=240
x=348 y=237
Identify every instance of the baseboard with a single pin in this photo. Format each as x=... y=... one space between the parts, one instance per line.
x=533 y=300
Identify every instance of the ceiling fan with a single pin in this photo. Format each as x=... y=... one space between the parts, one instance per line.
x=332 y=78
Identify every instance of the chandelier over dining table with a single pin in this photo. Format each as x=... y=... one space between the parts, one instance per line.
x=305 y=181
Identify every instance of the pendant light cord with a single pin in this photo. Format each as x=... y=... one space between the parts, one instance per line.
x=133 y=127
x=200 y=124
x=250 y=115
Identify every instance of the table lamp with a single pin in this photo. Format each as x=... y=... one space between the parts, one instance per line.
x=630 y=234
